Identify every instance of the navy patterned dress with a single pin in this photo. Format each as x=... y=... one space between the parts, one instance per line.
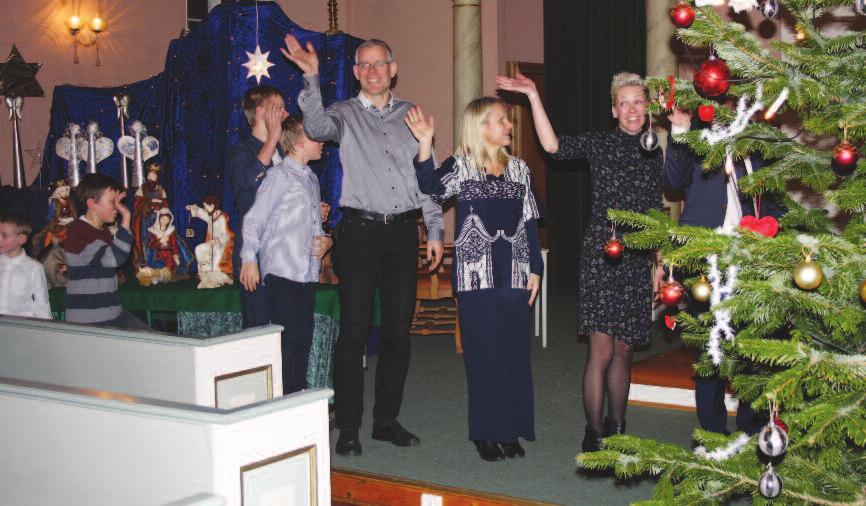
x=615 y=298
x=496 y=249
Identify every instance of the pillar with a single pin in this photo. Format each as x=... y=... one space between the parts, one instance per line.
x=661 y=62
x=467 y=58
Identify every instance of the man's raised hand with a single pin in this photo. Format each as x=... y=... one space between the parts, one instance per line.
x=306 y=59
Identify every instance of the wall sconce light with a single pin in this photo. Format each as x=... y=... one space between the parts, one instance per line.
x=85 y=38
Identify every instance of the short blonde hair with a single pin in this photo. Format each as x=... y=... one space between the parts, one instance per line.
x=624 y=79
x=471 y=144
x=293 y=129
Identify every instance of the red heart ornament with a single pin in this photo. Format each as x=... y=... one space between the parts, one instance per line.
x=670 y=321
x=766 y=226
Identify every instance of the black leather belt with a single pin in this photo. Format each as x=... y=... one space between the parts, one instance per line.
x=407 y=217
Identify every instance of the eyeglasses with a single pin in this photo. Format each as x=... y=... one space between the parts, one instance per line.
x=379 y=65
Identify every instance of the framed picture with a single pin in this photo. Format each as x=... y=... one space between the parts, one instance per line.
x=285 y=480
x=243 y=387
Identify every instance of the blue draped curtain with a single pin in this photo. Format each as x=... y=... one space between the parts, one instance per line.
x=194 y=106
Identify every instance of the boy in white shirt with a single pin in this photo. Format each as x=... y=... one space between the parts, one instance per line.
x=23 y=288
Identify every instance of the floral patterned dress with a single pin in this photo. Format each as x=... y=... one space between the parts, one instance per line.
x=615 y=297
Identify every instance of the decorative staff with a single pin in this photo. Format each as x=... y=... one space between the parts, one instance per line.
x=98 y=147
x=138 y=148
x=14 y=104
x=122 y=103
x=72 y=148
x=18 y=80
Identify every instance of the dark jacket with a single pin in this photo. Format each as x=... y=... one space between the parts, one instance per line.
x=246 y=173
x=706 y=198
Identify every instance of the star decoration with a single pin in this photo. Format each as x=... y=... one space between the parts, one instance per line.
x=18 y=78
x=258 y=64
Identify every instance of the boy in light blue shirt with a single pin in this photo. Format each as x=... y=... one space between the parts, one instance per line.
x=284 y=228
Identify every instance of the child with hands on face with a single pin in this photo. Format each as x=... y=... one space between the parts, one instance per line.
x=93 y=255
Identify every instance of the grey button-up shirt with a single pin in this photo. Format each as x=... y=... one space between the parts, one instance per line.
x=284 y=220
x=376 y=151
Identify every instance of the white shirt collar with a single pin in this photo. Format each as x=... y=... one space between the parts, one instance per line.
x=362 y=97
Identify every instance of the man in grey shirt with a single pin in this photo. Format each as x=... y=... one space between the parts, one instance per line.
x=377 y=239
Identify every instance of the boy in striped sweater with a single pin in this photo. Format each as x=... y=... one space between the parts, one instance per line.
x=93 y=255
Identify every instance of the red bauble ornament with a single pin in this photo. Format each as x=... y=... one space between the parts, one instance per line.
x=683 y=15
x=845 y=156
x=706 y=112
x=713 y=77
x=613 y=249
x=780 y=424
x=671 y=293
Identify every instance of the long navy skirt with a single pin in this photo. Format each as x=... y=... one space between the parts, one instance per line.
x=496 y=349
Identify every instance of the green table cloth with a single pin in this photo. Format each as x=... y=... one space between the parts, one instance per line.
x=214 y=311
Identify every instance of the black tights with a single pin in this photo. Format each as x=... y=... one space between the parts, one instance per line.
x=607 y=366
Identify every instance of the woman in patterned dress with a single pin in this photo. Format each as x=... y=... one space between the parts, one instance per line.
x=496 y=272
x=615 y=298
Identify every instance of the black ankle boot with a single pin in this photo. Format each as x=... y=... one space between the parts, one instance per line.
x=612 y=426
x=591 y=440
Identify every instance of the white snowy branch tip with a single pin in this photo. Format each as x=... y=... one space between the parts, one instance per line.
x=725 y=452
x=722 y=327
x=737 y=5
x=718 y=132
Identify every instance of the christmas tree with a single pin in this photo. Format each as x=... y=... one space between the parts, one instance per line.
x=787 y=324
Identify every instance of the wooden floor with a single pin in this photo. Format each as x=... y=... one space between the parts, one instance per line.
x=667 y=381
x=358 y=488
x=669 y=369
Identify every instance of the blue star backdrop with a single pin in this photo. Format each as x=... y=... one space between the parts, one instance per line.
x=194 y=106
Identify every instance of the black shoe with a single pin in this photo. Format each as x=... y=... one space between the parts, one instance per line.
x=348 y=443
x=612 y=426
x=591 y=440
x=395 y=434
x=512 y=450
x=488 y=450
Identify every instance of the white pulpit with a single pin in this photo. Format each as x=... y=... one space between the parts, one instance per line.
x=224 y=371
x=76 y=446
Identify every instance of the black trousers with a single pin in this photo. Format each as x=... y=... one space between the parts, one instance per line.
x=255 y=309
x=291 y=304
x=710 y=395
x=368 y=254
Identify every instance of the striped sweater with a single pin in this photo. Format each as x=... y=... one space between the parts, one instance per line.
x=92 y=257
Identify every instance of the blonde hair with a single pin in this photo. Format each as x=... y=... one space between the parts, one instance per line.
x=293 y=129
x=471 y=144
x=624 y=79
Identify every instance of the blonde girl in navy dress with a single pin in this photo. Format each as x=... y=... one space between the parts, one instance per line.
x=496 y=272
x=615 y=298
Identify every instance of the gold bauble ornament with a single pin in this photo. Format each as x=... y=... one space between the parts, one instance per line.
x=808 y=275
x=863 y=291
x=701 y=290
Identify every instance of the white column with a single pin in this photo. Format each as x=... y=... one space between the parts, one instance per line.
x=467 y=58
x=212 y=3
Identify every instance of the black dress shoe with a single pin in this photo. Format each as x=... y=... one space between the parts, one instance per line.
x=512 y=450
x=591 y=440
x=348 y=443
x=395 y=434
x=488 y=450
x=612 y=426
